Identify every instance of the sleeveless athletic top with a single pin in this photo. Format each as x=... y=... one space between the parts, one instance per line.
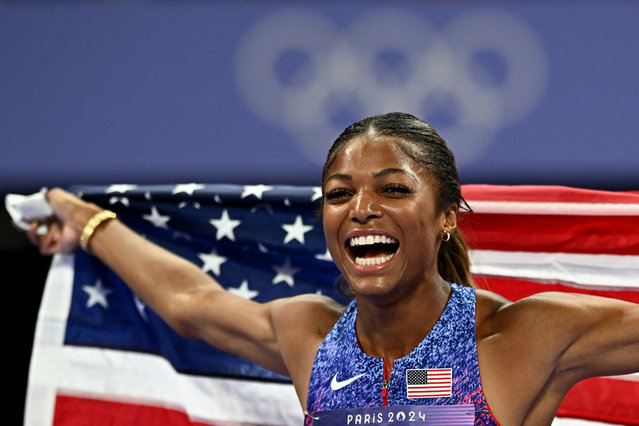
x=441 y=370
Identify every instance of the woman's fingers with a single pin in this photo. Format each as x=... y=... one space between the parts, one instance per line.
x=32 y=233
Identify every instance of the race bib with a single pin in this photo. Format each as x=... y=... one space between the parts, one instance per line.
x=399 y=415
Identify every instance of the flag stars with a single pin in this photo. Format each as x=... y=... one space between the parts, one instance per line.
x=140 y=305
x=225 y=226
x=115 y=200
x=296 y=230
x=317 y=193
x=181 y=235
x=156 y=218
x=255 y=190
x=285 y=273
x=212 y=262
x=262 y=206
x=185 y=204
x=189 y=188
x=243 y=291
x=97 y=294
x=121 y=188
x=324 y=256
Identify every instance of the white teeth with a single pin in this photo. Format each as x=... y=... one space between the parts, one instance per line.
x=367 y=240
x=371 y=239
x=366 y=261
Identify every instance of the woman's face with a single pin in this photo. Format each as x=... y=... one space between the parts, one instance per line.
x=380 y=217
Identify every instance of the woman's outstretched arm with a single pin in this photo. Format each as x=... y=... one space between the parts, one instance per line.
x=186 y=297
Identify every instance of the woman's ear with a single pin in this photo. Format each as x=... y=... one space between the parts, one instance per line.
x=450 y=219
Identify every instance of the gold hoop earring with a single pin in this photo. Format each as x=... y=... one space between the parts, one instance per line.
x=446 y=236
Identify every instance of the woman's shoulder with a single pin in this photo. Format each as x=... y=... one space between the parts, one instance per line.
x=300 y=324
x=496 y=314
x=312 y=314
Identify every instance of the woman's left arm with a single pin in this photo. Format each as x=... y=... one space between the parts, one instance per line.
x=606 y=336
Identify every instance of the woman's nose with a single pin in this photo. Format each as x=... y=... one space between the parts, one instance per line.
x=365 y=207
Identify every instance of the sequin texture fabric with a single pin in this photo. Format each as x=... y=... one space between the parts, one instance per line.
x=345 y=377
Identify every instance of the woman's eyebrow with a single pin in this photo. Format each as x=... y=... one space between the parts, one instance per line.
x=379 y=174
x=340 y=176
x=393 y=170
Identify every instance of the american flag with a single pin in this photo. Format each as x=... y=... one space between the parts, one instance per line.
x=102 y=357
x=429 y=383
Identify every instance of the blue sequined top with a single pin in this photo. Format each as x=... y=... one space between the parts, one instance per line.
x=359 y=378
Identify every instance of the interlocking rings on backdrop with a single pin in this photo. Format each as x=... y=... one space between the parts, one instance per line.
x=300 y=71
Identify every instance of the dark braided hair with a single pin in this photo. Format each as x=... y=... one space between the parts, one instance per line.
x=418 y=140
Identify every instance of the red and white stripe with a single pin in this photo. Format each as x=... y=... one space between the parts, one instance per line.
x=529 y=239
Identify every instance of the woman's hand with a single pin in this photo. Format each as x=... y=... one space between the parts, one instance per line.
x=70 y=214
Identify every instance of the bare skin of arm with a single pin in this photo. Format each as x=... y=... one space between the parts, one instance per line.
x=533 y=351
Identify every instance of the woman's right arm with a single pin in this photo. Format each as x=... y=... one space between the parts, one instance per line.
x=186 y=297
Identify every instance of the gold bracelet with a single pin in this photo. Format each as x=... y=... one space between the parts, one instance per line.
x=92 y=225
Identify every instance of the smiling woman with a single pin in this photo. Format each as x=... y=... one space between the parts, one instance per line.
x=411 y=139
x=417 y=337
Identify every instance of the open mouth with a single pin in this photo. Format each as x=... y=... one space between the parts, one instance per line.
x=372 y=249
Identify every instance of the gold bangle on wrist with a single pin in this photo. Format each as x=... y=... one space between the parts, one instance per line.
x=93 y=223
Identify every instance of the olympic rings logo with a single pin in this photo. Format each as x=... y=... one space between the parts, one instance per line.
x=298 y=70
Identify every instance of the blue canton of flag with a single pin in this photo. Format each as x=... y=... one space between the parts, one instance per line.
x=260 y=242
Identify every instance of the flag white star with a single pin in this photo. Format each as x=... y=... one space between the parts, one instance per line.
x=184 y=204
x=225 y=226
x=181 y=235
x=121 y=187
x=262 y=206
x=243 y=291
x=140 y=305
x=317 y=193
x=285 y=273
x=123 y=200
x=325 y=256
x=256 y=190
x=187 y=187
x=97 y=294
x=212 y=262
x=156 y=218
x=296 y=230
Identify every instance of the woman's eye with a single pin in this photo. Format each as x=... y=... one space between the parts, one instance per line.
x=396 y=189
x=336 y=194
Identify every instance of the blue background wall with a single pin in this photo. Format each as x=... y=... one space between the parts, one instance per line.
x=524 y=92
x=534 y=92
